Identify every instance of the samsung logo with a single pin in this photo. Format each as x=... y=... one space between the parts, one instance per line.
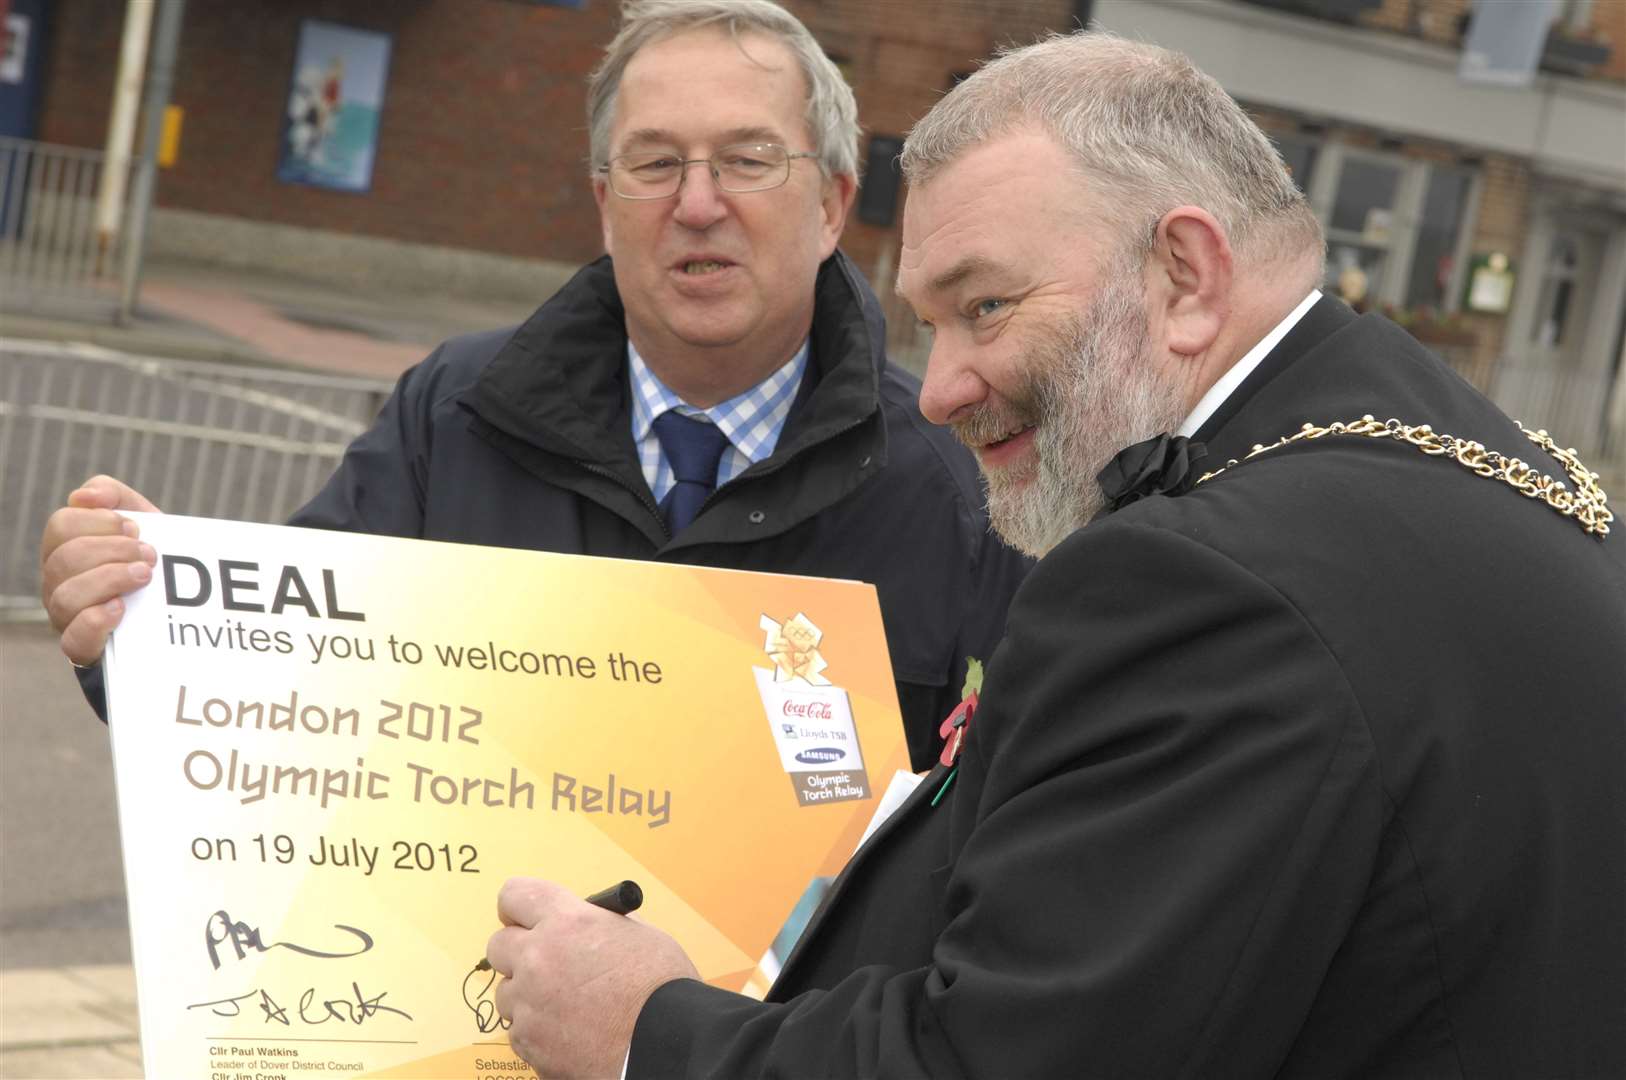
x=820 y=755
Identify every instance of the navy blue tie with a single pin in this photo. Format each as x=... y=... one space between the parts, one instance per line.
x=693 y=448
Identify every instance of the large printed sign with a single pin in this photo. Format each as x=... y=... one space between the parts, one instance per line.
x=331 y=750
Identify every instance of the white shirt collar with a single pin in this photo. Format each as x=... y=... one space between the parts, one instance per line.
x=1226 y=385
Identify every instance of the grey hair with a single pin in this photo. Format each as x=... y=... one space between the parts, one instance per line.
x=832 y=112
x=1148 y=131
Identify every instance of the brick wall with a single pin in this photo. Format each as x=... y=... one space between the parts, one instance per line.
x=1390 y=15
x=1502 y=225
x=1609 y=25
x=900 y=58
x=481 y=142
x=1439 y=21
x=1442 y=21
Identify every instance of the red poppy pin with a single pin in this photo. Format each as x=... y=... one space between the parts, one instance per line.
x=954 y=726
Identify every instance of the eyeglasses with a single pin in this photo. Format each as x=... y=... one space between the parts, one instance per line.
x=737 y=169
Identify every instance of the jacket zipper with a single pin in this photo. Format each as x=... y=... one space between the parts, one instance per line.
x=640 y=493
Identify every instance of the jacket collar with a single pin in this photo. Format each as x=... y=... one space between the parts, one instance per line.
x=1168 y=464
x=560 y=382
x=1223 y=438
x=1337 y=365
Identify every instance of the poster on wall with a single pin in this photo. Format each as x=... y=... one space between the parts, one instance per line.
x=330 y=125
x=13 y=48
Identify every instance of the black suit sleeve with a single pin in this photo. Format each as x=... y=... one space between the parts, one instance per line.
x=1167 y=817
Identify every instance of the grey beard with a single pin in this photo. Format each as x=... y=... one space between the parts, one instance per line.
x=1094 y=390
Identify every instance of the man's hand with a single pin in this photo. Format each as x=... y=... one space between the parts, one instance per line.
x=575 y=977
x=89 y=558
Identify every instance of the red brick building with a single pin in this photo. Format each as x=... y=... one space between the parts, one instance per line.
x=482 y=139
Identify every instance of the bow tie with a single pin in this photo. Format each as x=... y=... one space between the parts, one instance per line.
x=1163 y=465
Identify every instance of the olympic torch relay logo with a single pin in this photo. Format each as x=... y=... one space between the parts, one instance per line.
x=811 y=718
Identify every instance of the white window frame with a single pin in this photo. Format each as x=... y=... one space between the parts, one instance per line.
x=1405 y=214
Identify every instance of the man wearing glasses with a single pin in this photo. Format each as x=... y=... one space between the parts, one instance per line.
x=713 y=392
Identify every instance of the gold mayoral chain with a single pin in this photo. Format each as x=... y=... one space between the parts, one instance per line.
x=1587 y=505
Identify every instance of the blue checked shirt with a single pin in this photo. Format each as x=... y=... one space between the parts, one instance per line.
x=752 y=421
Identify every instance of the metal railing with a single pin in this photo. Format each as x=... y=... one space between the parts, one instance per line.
x=212 y=440
x=48 y=235
x=1574 y=407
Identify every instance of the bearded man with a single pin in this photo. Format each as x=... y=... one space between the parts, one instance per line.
x=1304 y=753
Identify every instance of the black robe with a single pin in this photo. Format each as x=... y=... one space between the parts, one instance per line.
x=1318 y=770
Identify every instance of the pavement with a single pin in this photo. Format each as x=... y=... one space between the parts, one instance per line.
x=67 y=994
x=67 y=991
x=204 y=312
x=69 y=1022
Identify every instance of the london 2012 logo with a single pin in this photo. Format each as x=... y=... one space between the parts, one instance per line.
x=809 y=716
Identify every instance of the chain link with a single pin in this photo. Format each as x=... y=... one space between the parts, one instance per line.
x=1587 y=505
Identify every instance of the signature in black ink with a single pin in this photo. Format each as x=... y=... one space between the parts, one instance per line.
x=345 y=1010
x=222 y=930
x=478 y=985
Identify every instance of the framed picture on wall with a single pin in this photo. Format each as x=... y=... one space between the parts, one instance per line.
x=335 y=99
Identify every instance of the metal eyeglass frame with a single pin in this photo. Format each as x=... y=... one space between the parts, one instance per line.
x=711 y=166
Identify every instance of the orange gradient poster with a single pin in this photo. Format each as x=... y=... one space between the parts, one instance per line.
x=331 y=750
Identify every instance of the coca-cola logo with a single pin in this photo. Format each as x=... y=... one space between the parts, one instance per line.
x=809 y=710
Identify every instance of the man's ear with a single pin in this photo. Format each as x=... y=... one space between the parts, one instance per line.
x=601 y=195
x=1193 y=268
x=837 y=200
